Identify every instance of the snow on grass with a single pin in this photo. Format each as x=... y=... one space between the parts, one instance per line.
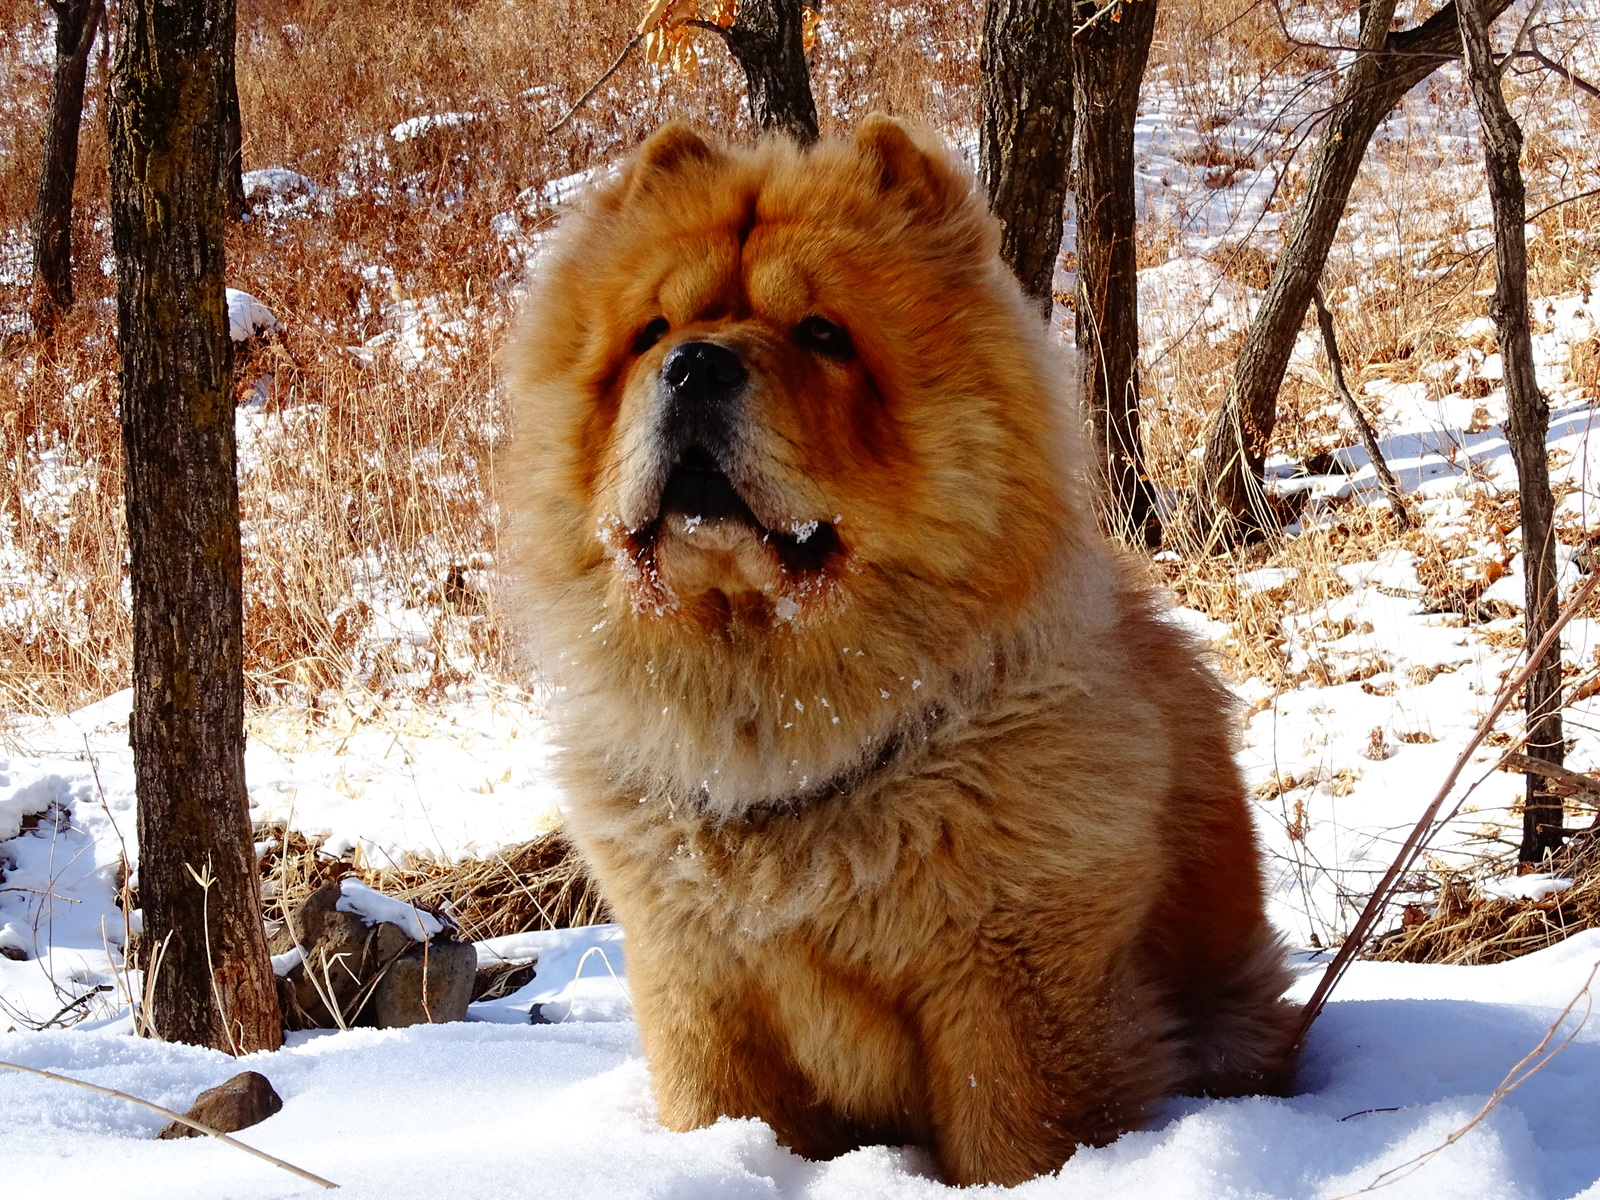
x=454 y=781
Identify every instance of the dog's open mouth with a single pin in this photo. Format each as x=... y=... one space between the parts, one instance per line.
x=700 y=503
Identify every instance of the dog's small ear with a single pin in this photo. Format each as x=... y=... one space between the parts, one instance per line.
x=669 y=151
x=913 y=165
x=673 y=146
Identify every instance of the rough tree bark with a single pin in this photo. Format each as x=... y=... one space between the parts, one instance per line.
x=215 y=985
x=1228 y=504
x=1025 y=144
x=765 y=40
x=76 y=21
x=1527 y=425
x=1109 y=62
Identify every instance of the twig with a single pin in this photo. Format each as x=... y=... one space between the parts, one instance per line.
x=1098 y=14
x=708 y=26
x=205 y=881
x=595 y=86
x=179 y=1117
x=1550 y=64
x=1554 y=205
x=1514 y=1079
x=146 y=1021
x=72 y=1004
x=1523 y=31
x=1521 y=764
x=1425 y=827
x=1369 y=440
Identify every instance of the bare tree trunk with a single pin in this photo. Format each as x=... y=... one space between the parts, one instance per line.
x=197 y=872
x=233 y=153
x=1109 y=62
x=1527 y=425
x=765 y=39
x=1025 y=144
x=1228 y=503
x=76 y=21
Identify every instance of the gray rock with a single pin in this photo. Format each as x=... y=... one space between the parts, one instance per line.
x=343 y=955
x=308 y=919
x=245 y=1100
x=449 y=970
x=370 y=974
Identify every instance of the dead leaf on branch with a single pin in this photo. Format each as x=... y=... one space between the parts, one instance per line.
x=669 y=38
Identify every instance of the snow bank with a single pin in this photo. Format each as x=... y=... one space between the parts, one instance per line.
x=275 y=181
x=1407 y=1056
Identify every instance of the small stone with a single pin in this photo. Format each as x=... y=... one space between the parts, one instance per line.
x=245 y=1100
x=451 y=969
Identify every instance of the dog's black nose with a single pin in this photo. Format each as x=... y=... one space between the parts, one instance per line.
x=703 y=371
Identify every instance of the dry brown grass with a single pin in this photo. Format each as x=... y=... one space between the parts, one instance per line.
x=365 y=486
x=1467 y=927
x=538 y=884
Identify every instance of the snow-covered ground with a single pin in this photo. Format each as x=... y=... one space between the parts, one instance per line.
x=1404 y=1060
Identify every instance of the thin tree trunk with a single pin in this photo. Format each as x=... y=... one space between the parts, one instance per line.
x=766 y=41
x=1369 y=440
x=197 y=872
x=1109 y=62
x=1228 y=503
x=1025 y=145
x=1528 y=423
x=76 y=21
x=233 y=152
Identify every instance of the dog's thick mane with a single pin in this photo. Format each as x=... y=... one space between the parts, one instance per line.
x=762 y=717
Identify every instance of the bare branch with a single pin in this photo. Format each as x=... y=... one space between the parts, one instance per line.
x=1564 y=777
x=709 y=26
x=1557 y=204
x=1099 y=13
x=1523 y=30
x=595 y=86
x=1550 y=64
x=176 y=1116
x=1426 y=826
x=1369 y=440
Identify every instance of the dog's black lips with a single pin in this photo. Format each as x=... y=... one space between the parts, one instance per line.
x=698 y=487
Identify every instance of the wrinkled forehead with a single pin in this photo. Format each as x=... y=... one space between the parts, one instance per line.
x=730 y=256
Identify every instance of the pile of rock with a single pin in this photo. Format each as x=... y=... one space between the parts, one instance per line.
x=352 y=956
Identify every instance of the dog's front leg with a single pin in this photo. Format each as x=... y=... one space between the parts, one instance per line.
x=1004 y=1104
x=715 y=1052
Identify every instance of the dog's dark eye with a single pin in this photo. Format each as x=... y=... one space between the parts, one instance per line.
x=823 y=336
x=650 y=334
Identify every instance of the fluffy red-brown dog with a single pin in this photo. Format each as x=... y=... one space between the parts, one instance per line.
x=922 y=820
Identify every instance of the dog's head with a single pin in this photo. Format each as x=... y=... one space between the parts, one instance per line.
x=789 y=438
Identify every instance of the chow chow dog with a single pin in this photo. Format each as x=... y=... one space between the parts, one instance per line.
x=920 y=815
